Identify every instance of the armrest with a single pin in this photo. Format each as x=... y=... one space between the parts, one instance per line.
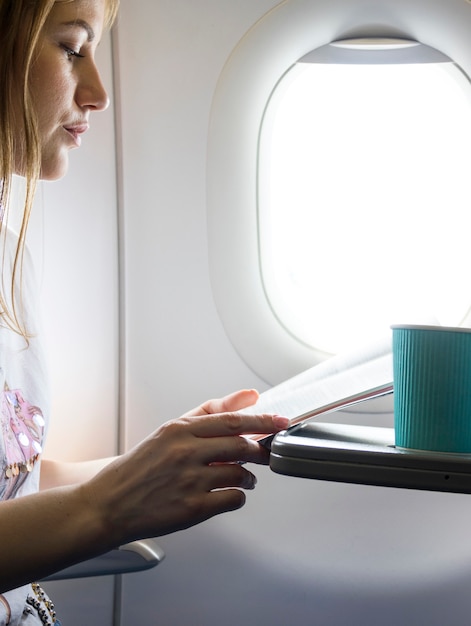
x=132 y=557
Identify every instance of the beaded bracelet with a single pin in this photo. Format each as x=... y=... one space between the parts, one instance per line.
x=43 y=606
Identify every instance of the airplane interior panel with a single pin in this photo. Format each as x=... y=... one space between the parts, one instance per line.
x=153 y=301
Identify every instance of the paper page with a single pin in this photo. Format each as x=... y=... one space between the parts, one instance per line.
x=331 y=382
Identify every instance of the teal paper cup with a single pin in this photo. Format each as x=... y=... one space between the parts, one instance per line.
x=432 y=388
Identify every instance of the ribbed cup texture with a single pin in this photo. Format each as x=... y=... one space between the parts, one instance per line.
x=432 y=389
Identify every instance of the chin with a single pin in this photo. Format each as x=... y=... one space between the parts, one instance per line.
x=54 y=173
x=54 y=162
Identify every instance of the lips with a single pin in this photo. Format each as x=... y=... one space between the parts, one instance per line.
x=76 y=131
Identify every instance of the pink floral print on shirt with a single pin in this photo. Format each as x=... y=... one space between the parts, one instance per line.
x=22 y=427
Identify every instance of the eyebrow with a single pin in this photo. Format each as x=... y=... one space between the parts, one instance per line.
x=82 y=24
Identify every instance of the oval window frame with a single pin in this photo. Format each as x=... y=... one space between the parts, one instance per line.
x=285 y=34
x=291 y=305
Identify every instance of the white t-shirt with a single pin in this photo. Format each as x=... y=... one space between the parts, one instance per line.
x=24 y=413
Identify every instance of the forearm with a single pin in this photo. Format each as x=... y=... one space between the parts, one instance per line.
x=60 y=474
x=45 y=532
x=182 y=474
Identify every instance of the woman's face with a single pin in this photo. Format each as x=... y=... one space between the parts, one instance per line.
x=65 y=82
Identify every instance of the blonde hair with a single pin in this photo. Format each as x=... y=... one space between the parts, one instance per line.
x=21 y=23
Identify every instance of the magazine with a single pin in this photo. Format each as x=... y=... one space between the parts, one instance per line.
x=341 y=381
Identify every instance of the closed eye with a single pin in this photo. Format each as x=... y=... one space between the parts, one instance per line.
x=70 y=52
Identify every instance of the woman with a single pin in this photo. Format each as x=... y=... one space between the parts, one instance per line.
x=183 y=473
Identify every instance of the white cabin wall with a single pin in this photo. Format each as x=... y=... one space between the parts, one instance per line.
x=300 y=551
x=170 y=55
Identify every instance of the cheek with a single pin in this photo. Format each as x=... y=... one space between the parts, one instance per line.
x=49 y=90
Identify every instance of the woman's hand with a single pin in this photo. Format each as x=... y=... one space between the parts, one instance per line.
x=184 y=473
x=187 y=471
x=228 y=404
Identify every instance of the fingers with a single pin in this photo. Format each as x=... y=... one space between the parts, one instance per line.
x=234 y=450
x=223 y=501
x=217 y=438
x=229 y=475
x=230 y=424
x=225 y=484
x=228 y=404
x=226 y=494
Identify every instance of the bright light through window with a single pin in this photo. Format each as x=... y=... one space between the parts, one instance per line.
x=365 y=200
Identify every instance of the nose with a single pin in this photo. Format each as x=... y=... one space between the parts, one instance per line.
x=91 y=93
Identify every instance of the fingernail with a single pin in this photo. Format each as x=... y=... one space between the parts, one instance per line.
x=280 y=422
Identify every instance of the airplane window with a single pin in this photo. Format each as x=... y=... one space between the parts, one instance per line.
x=363 y=192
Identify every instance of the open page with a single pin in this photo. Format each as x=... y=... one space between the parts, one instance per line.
x=340 y=381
